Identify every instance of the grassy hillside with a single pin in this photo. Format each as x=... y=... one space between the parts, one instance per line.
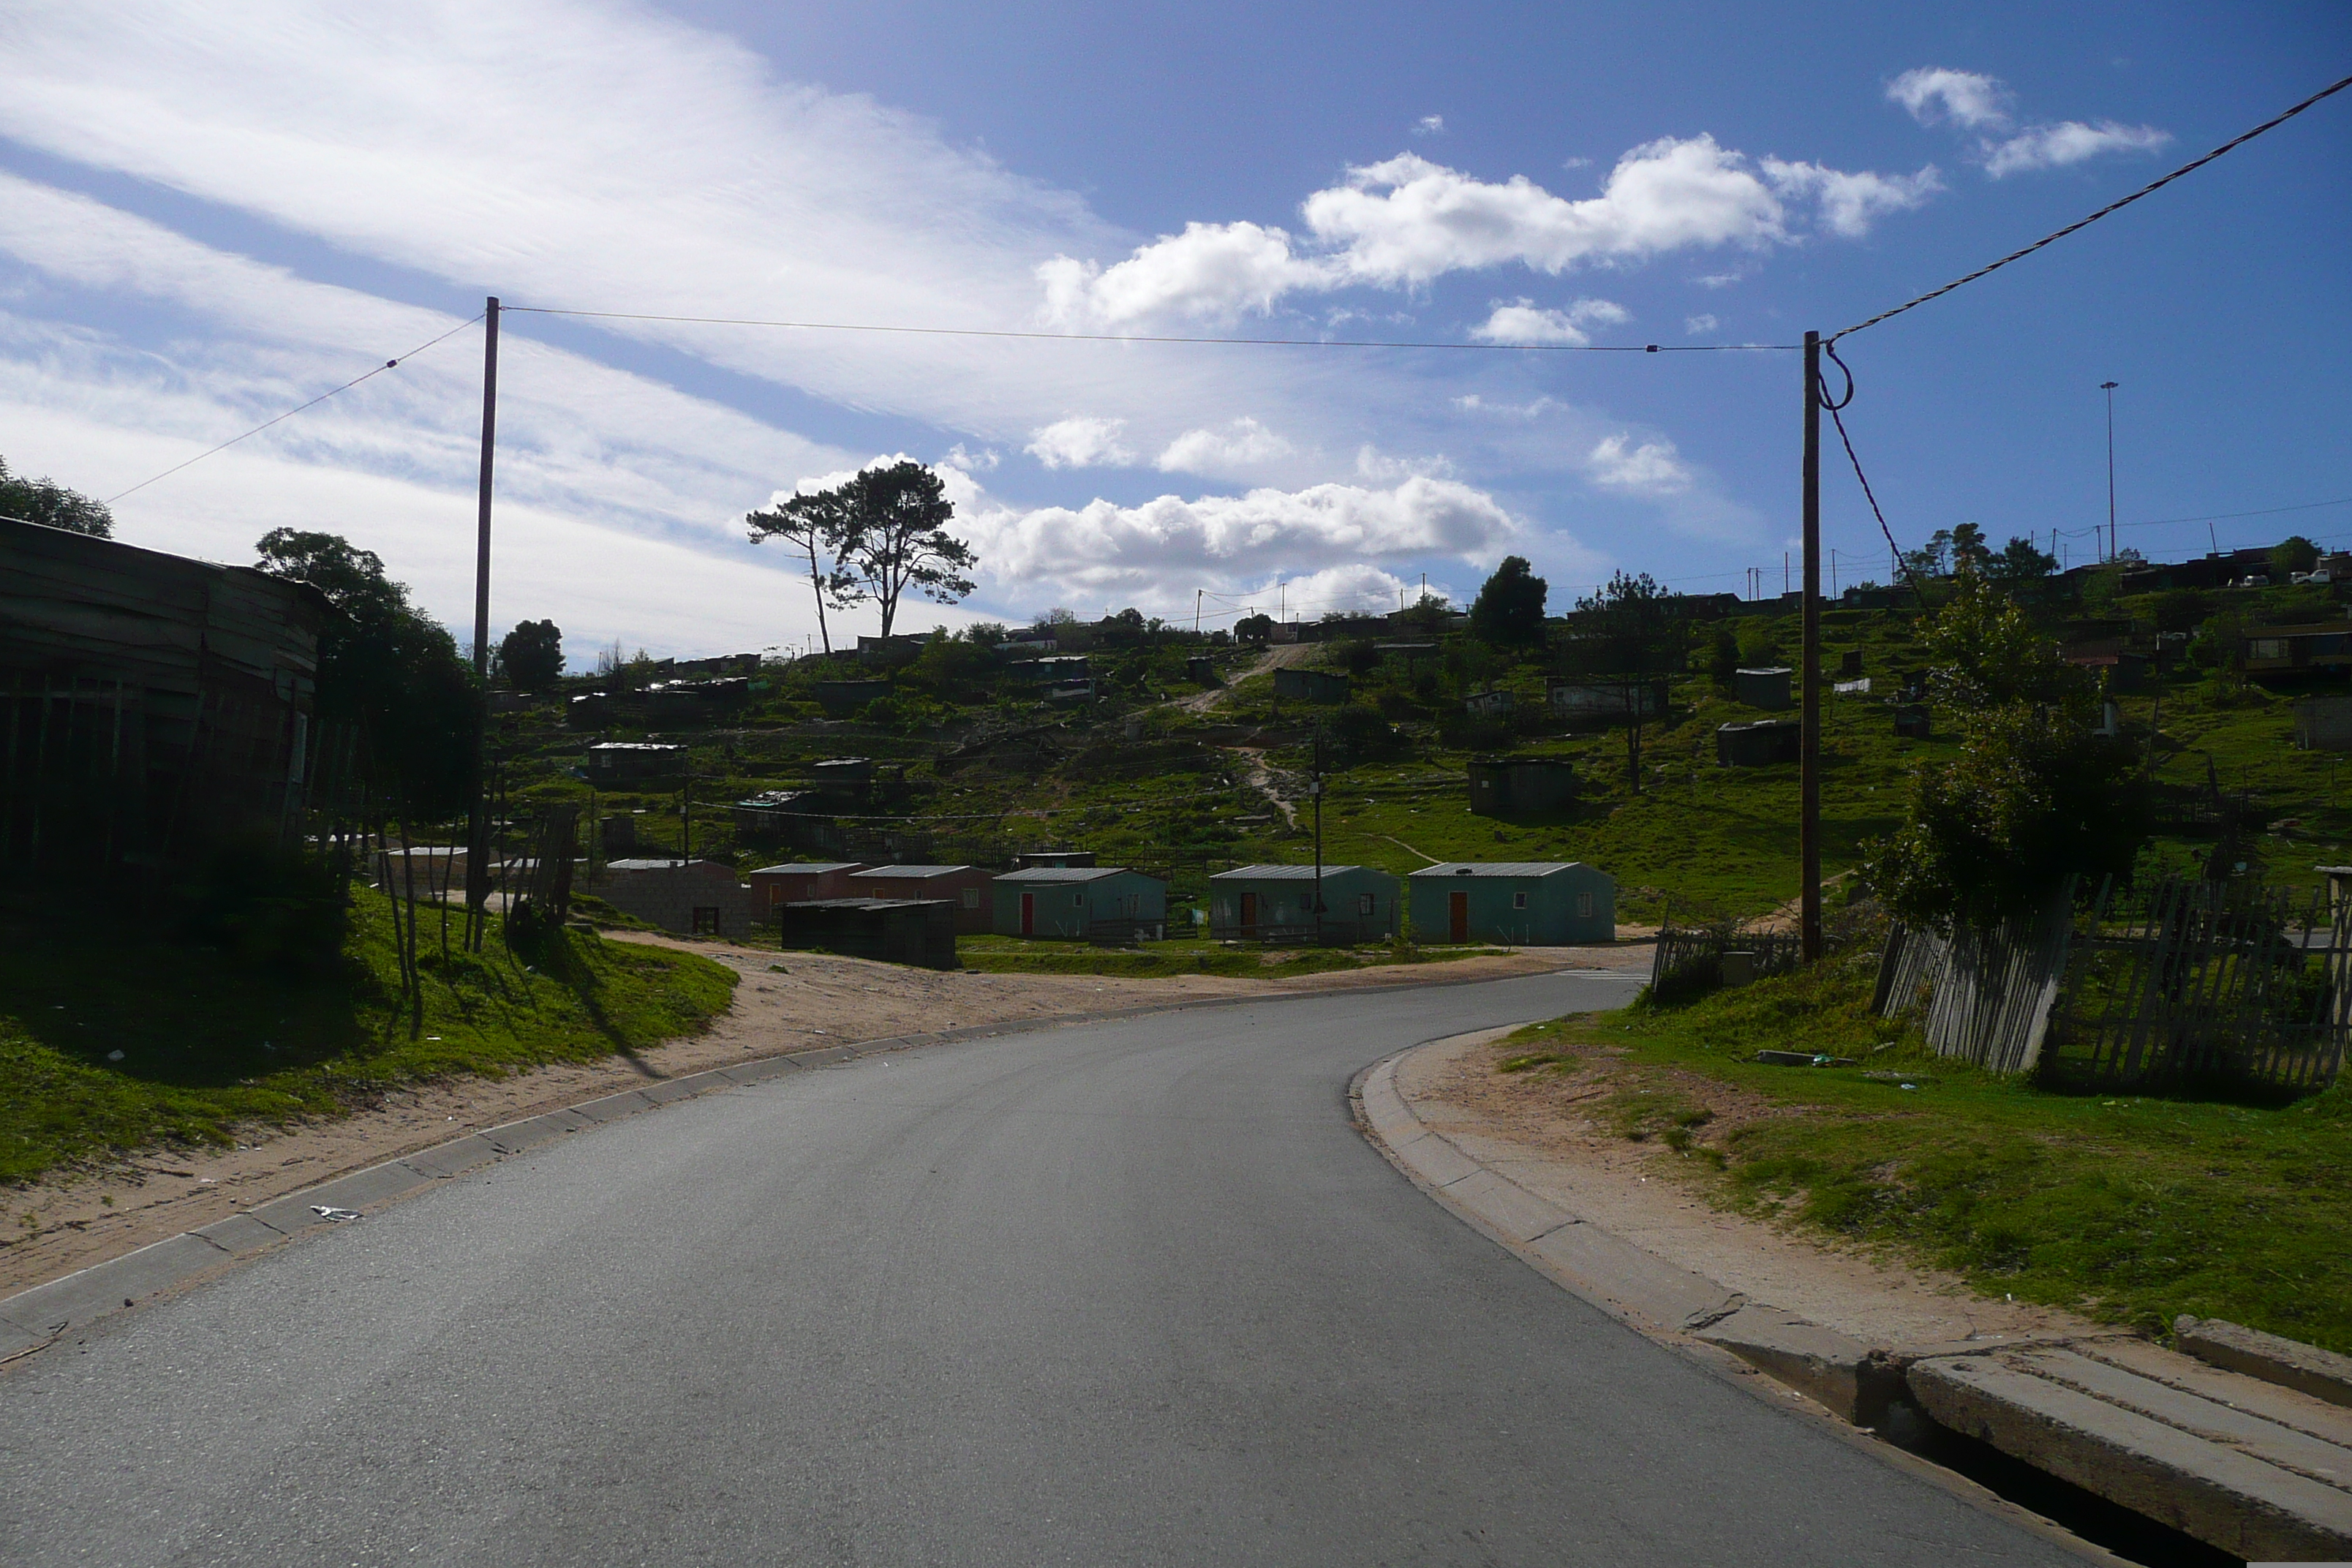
x=112 y=1041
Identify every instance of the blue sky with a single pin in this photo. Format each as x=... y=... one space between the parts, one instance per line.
x=210 y=213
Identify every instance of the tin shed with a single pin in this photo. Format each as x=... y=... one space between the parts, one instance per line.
x=1757 y=745
x=1767 y=687
x=893 y=931
x=1075 y=903
x=966 y=887
x=1521 y=787
x=1255 y=903
x=801 y=881
x=1529 y=903
x=1310 y=685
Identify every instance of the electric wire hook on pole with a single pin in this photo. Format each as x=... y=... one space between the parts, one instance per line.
x=478 y=820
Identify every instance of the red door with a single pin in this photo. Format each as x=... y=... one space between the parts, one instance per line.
x=1249 y=914
x=1028 y=914
x=1457 y=917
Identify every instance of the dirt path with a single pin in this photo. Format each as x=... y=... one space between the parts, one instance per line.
x=1532 y=1128
x=1274 y=657
x=55 y=1227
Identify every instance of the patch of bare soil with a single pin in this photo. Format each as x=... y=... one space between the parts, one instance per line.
x=83 y=1217
x=1560 y=1132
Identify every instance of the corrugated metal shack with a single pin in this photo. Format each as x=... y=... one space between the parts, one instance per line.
x=1767 y=687
x=155 y=707
x=920 y=932
x=965 y=886
x=1759 y=744
x=1277 y=903
x=1531 y=903
x=800 y=882
x=1081 y=903
x=1310 y=685
x=1521 y=787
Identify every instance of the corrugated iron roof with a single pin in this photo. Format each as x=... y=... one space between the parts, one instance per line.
x=1281 y=873
x=1497 y=868
x=1062 y=874
x=909 y=871
x=806 y=867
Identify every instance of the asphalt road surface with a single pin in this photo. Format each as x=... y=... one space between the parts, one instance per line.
x=1130 y=1293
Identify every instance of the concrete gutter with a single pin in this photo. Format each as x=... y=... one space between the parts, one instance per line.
x=2260 y=1468
x=40 y=1315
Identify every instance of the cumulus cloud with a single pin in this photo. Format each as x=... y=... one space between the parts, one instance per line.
x=1850 y=203
x=2069 y=142
x=1971 y=101
x=1084 y=441
x=1520 y=322
x=1696 y=325
x=1429 y=125
x=1170 y=545
x=1406 y=221
x=970 y=462
x=1934 y=93
x=1652 y=469
x=1373 y=464
x=1239 y=445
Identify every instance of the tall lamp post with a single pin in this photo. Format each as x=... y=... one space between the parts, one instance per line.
x=2109 y=388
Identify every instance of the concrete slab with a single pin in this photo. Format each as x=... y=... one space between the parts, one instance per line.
x=613 y=1107
x=441 y=1160
x=2211 y=1490
x=2289 y=1449
x=1504 y=1208
x=669 y=1090
x=239 y=1233
x=2287 y=1407
x=82 y=1298
x=361 y=1189
x=824 y=1056
x=533 y=1130
x=1621 y=1276
x=1856 y=1381
x=1434 y=1158
x=760 y=1071
x=2321 y=1373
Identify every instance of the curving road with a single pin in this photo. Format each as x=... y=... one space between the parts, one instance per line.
x=1130 y=1293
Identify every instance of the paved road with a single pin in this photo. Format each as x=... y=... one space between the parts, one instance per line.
x=1134 y=1293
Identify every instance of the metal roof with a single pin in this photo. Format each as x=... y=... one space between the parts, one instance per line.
x=806 y=867
x=663 y=863
x=1281 y=873
x=1063 y=874
x=915 y=872
x=1497 y=868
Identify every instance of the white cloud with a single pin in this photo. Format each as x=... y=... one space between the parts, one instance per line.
x=2069 y=142
x=970 y=462
x=1719 y=279
x=1373 y=464
x=1850 y=203
x=1244 y=443
x=1576 y=162
x=1968 y=99
x=1652 y=469
x=1520 y=322
x=1406 y=221
x=1429 y=125
x=1163 y=549
x=1695 y=325
x=1084 y=441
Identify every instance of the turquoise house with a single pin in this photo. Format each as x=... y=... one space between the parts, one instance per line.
x=1252 y=903
x=1072 y=903
x=1524 y=903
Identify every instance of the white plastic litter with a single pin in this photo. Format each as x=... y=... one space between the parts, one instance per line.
x=326 y=1212
x=114 y=1056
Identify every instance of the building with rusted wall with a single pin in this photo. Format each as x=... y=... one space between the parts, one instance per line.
x=153 y=708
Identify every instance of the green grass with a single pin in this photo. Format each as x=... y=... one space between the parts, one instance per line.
x=2125 y=1209
x=1029 y=955
x=206 y=1043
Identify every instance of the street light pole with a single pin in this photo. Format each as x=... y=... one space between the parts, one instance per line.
x=2109 y=388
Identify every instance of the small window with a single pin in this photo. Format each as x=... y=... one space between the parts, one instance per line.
x=1363 y=903
x=1519 y=900
x=706 y=919
x=972 y=897
x=1584 y=905
x=1077 y=900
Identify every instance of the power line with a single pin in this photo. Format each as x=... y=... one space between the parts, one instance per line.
x=2148 y=189
x=290 y=414
x=1124 y=337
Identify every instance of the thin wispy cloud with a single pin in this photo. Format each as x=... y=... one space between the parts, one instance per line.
x=1970 y=101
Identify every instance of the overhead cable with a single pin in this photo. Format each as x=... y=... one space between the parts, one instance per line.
x=2149 y=188
x=290 y=414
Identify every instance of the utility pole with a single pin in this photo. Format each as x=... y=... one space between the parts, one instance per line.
x=1196 y=610
x=2109 y=388
x=1318 y=791
x=477 y=822
x=1809 y=819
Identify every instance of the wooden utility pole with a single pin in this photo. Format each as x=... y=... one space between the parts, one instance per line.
x=1808 y=820
x=477 y=822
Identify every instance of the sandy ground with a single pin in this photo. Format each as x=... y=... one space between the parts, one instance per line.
x=53 y=1227
x=1527 y=1127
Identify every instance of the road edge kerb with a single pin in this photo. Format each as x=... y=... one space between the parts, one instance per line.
x=40 y=1315
x=1642 y=1290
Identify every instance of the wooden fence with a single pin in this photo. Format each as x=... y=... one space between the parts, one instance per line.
x=1697 y=951
x=1988 y=995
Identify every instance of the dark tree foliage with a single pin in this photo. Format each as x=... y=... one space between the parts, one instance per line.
x=900 y=515
x=532 y=654
x=819 y=527
x=1253 y=628
x=1722 y=656
x=1509 y=609
x=51 y=503
x=2021 y=561
x=388 y=669
x=2293 y=554
x=2036 y=793
x=1626 y=635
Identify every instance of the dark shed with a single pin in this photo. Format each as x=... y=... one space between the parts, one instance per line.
x=920 y=932
x=1757 y=745
x=1521 y=787
x=1310 y=685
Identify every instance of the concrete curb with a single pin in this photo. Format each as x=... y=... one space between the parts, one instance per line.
x=40 y=1314
x=2263 y=1469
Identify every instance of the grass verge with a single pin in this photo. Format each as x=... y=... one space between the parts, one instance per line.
x=2128 y=1209
x=111 y=1042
